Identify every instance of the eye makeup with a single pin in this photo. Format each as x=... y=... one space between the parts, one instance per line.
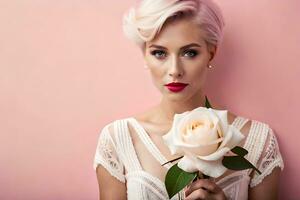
x=158 y=53
x=192 y=53
x=161 y=54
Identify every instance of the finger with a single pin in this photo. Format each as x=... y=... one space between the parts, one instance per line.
x=198 y=194
x=204 y=184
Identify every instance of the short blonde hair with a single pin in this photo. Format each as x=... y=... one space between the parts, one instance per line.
x=143 y=23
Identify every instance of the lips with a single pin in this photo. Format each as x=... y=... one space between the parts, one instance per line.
x=176 y=87
x=176 y=84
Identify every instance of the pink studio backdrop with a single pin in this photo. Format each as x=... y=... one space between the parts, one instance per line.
x=66 y=70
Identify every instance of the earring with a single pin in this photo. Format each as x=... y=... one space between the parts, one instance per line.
x=210 y=67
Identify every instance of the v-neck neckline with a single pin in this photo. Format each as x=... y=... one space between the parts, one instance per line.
x=153 y=149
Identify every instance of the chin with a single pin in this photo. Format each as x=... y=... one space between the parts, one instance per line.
x=176 y=96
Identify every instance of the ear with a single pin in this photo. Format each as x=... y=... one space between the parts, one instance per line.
x=212 y=51
x=144 y=49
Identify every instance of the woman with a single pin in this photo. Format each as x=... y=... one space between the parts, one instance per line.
x=179 y=39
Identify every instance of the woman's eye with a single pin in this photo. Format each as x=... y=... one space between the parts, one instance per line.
x=191 y=53
x=161 y=54
x=158 y=53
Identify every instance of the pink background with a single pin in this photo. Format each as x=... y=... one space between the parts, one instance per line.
x=65 y=72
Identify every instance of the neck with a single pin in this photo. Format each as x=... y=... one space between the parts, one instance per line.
x=168 y=108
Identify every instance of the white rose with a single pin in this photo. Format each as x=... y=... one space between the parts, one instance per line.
x=203 y=136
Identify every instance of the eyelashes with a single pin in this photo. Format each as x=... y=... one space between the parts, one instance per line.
x=192 y=53
x=160 y=54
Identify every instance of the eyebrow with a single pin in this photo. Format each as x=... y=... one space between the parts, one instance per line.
x=184 y=47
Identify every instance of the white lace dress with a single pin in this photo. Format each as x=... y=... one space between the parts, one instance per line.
x=116 y=153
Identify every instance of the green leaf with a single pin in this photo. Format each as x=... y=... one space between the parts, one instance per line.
x=237 y=163
x=176 y=179
x=239 y=151
x=207 y=104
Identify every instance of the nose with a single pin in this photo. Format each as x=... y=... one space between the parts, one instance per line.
x=175 y=69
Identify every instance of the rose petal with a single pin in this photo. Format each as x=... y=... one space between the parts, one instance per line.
x=180 y=122
x=191 y=146
x=205 y=149
x=223 y=116
x=201 y=136
x=168 y=140
x=200 y=109
x=216 y=155
x=218 y=124
x=196 y=114
x=210 y=168
x=187 y=164
x=227 y=138
x=236 y=137
x=176 y=127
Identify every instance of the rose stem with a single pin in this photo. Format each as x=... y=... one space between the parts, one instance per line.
x=172 y=160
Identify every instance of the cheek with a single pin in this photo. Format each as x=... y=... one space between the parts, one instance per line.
x=152 y=61
x=156 y=70
x=198 y=75
x=156 y=74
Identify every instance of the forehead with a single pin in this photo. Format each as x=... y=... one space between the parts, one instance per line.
x=178 y=33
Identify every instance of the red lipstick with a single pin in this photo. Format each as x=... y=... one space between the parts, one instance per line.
x=176 y=86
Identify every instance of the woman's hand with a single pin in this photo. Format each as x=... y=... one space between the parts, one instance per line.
x=204 y=189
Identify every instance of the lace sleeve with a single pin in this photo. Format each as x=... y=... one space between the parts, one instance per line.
x=270 y=158
x=107 y=156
